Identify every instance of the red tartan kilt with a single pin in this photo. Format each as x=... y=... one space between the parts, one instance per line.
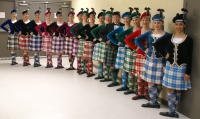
x=46 y=43
x=24 y=42
x=88 y=50
x=139 y=65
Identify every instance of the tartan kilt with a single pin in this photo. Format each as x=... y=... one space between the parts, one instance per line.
x=102 y=52
x=68 y=45
x=174 y=77
x=153 y=70
x=88 y=50
x=57 y=45
x=111 y=55
x=96 y=52
x=75 y=47
x=119 y=63
x=46 y=43
x=129 y=61
x=35 y=43
x=12 y=43
x=139 y=65
x=24 y=42
x=81 y=44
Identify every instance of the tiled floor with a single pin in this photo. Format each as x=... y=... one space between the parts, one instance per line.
x=39 y=93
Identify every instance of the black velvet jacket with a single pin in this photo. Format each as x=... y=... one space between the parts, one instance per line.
x=179 y=54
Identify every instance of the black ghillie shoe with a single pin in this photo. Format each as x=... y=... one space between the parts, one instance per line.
x=90 y=75
x=137 y=97
x=49 y=66
x=13 y=63
x=151 y=105
x=128 y=92
x=59 y=67
x=168 y=114
x=113 y=84
x=122 y=89
x=105 y=80
x=71 y=68
x=37 y=65
x=99 y=77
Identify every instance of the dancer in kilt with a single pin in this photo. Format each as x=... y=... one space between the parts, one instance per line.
x=69 y=40
x=130 y=53
x=58 y=39
x=97 y=46
x=121 y=49
x=46 y=38
x=12 y=43
x=153 y=67
x=142 y=85
x=35 y=39
x=179 y=63
x=89 y=45
x=24 y=36
x=110 y=49
x=81 y=63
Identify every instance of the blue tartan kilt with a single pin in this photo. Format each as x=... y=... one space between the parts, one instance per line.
x=96 y=52
x=153 y=70
x=35 y=43
x=174 y=77
x=120 y=58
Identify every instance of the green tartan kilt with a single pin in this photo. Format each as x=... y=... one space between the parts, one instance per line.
x=111 y=55
x=81 y=44
x=129 y=61
x=102 y=52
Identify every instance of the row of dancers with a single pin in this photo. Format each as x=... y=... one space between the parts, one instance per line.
x=148 y=57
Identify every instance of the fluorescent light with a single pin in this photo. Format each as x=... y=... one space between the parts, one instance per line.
x=23 y=4
x=64 y=5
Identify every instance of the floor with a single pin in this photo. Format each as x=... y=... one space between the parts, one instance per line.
x=39 y=93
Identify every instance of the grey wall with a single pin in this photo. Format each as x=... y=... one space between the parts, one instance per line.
x=5 y=7
x=190 y=102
